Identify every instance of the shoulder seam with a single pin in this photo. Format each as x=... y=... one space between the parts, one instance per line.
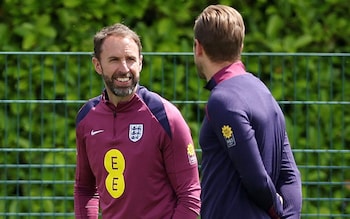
x=84 y=110
x=155 y=104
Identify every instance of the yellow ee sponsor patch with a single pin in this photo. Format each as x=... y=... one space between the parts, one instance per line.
x=191 y=154
x=228 y=135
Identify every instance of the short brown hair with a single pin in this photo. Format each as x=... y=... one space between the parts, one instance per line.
x=117 y=29
x=220 y=30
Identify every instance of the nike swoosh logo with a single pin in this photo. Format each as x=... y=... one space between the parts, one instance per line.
x=96 y=132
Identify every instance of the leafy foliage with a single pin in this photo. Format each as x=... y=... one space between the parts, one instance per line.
x=271 y=26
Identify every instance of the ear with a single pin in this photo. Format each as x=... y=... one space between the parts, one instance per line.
x=97 y=65
x=141 y=62
x=197 y=48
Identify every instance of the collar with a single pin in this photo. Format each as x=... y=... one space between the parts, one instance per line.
x=121 y=105
x=232 y=70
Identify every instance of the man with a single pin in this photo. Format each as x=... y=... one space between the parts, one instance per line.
x=135 y=155
x=248 y=169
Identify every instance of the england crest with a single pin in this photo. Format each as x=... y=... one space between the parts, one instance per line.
x=135 y=132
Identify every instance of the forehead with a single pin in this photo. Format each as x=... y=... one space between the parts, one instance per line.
x=119 y=46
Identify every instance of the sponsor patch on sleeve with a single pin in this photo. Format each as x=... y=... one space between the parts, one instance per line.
x=191 y=154
x=228 y=135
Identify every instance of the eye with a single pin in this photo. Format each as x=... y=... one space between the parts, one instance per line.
x=132 y=59
x=113 y=59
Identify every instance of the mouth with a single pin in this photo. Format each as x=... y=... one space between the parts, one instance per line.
x=123 y=80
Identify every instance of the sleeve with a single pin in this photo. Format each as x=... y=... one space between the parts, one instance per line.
x=86 y=200
x=234 y=130
x=289 y=183
x=182 y=167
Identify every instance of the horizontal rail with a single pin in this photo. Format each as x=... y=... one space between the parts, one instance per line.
x=197 y=150
x=69 y=182
x=41 y=182
x=37 y=214
x=20 y=198
x=294 y=102
x=38 y=149
x=181 y=53
x=320 y=151
x=44 y=166
x=36 y=166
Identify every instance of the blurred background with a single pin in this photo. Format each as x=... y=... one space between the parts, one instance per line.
x=300 y=49
x=166 y=26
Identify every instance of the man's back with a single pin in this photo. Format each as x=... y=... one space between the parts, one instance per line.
x=237 y=156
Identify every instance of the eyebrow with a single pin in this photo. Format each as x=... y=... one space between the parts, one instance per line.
x=118 y=57
x=113 y=57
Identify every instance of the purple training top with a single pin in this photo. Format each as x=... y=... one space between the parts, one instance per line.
x=246 y=156
x=135 y=160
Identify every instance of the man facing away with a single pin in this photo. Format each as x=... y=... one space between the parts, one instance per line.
x=248 y=169
x=135 y=155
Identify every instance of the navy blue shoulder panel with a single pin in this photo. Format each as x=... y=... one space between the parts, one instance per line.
x=86 y=108
x=156 y=106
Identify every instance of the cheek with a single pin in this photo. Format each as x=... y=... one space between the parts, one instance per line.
x=109 y=69
x=136 y=68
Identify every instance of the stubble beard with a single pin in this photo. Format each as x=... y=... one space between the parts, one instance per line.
x=119 y=91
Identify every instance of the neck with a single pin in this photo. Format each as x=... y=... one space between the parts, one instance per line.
x=213 y=67
x=115 y=100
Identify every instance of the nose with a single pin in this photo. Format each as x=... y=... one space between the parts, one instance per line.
x=124 y=66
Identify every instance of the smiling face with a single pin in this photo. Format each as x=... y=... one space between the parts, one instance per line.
x=119 y=65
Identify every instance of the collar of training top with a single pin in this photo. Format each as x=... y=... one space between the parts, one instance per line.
x=232 y=70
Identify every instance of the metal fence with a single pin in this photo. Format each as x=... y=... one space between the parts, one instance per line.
x=41 y=92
